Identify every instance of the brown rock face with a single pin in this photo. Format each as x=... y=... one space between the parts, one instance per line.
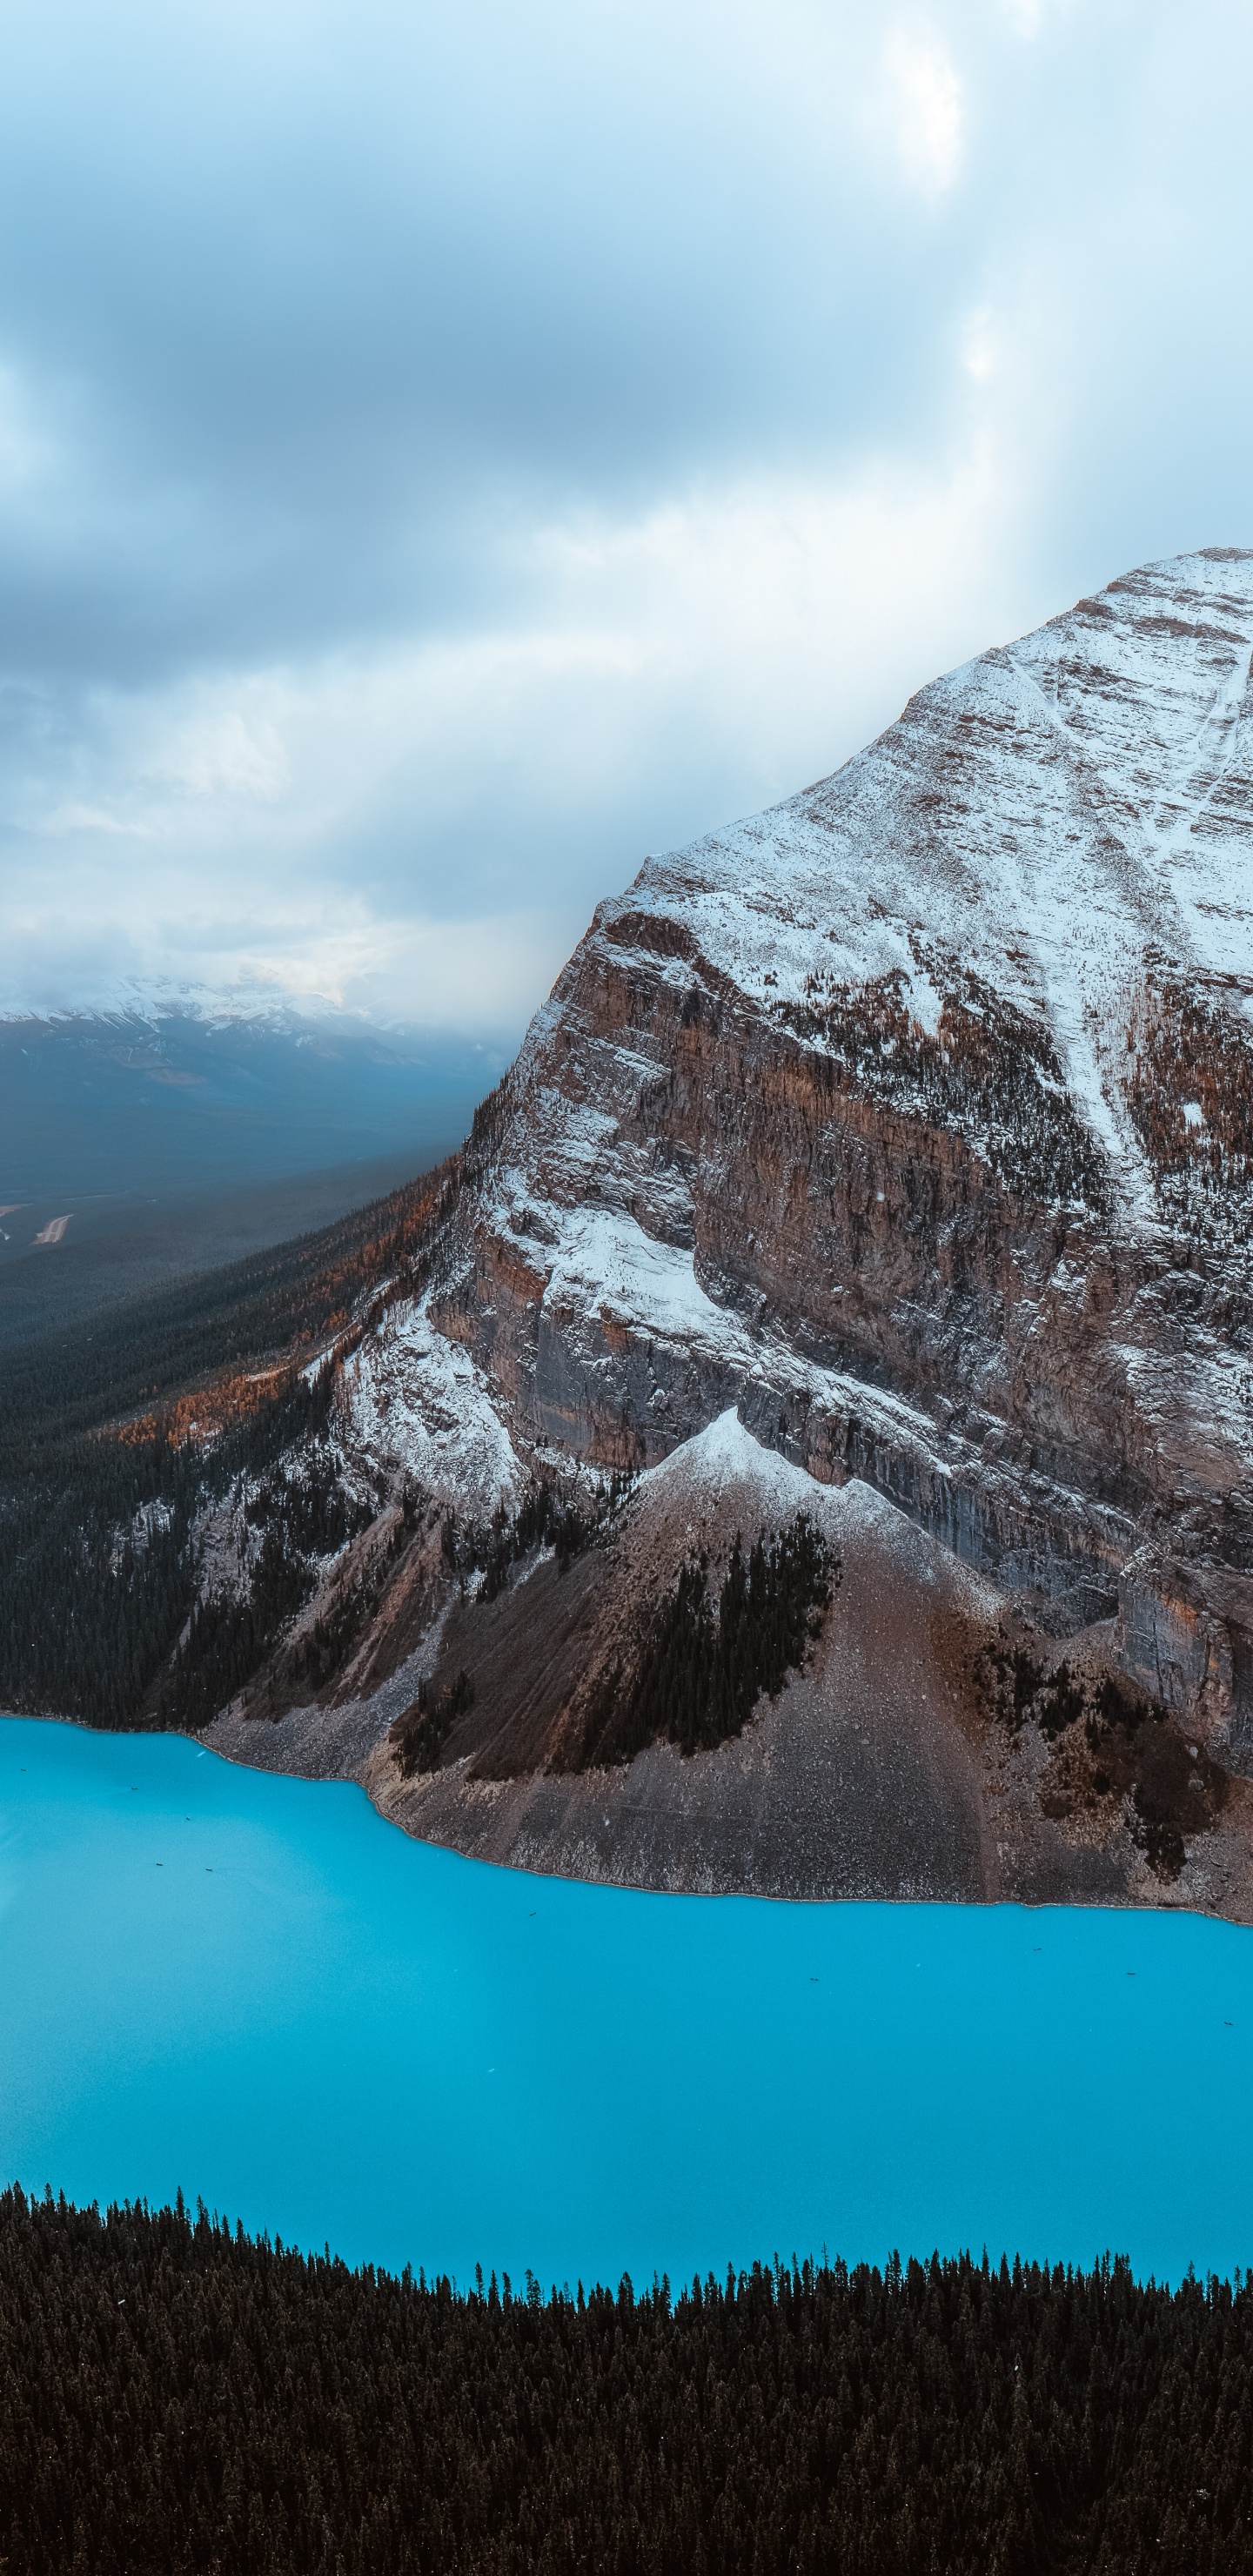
x=911 y=1123
x=914 y=1119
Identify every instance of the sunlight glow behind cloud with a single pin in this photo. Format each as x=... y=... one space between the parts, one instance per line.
x=444 y=456
x=926 y=106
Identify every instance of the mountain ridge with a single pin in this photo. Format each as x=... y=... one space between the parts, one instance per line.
x=909 y=1128
x=911 y=1121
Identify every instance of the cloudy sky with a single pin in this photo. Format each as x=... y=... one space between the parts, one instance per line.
x=446 y=453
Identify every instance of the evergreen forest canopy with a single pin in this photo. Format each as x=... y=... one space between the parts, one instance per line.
x=178 y=2399
x=697 y=1670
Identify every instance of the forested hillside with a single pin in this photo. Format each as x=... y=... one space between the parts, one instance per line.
x=179 y=2399
x=113 y=1440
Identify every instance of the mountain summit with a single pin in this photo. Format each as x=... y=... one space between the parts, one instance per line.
x=882 y=1165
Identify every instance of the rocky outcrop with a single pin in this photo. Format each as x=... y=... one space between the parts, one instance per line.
x=913 y=1120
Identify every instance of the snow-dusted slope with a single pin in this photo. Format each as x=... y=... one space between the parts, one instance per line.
x=915 y=1117
x=1047 y=810
x=1055 y=816
x=889 y=1156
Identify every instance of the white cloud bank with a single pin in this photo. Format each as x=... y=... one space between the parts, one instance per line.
x=421 y=832
x=436 y=469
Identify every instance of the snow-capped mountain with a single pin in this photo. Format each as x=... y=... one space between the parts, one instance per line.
x=196 y=1093
x=913 y=1120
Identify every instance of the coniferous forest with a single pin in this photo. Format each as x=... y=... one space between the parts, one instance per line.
x=113 y=1442
x=178 y=2397
x=698 y=1670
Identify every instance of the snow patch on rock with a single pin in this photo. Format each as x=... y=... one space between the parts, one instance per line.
x=726 y=1453
x=419 y=1406
x=608 y=1266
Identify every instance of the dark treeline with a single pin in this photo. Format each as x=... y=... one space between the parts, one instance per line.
x=545 y=1519
x=179 y=2399
x=111 y=1443
x=1108 y=1738
x=300 y=1519
x=989 y=1071
x=698 y=1671
x=1183 y=1048
x=151 y=1348
x=418 y=1735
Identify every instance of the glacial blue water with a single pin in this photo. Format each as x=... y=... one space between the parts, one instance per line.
x=254 y=1988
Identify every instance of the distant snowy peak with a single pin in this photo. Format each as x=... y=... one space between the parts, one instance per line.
x=157 y=1005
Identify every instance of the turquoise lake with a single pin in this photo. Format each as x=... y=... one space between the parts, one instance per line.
x=255 y=1988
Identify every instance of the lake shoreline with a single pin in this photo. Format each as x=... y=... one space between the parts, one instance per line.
x=211 y=1980
x=232 y=1737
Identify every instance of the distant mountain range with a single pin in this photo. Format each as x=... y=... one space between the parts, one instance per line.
x=804 y=1441
x=194 y=1095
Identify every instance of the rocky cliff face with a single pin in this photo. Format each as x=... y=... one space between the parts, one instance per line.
x=914 y=1121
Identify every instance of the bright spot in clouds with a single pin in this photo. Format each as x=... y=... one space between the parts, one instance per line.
x=433 y=758
x=446 y=455
x=926 y=98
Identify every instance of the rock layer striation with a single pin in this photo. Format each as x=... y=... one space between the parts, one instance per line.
x=912 y=1120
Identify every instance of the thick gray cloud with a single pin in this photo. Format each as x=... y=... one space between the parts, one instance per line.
x=443 y=453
